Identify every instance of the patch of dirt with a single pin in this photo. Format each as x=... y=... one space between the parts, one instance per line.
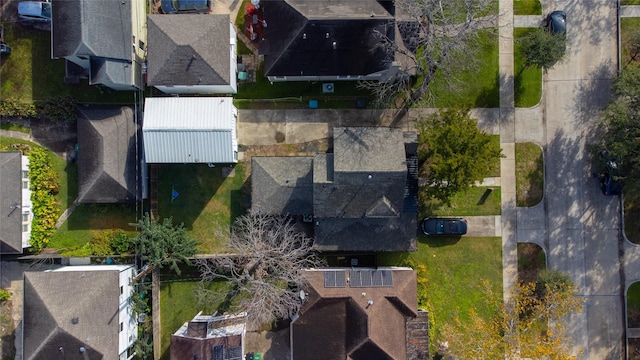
x=7 y=336
x=531 y=260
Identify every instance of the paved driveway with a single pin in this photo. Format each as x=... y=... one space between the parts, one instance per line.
x=582 y=226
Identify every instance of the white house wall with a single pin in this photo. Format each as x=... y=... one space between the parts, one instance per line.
x=129 y=333
x=27 y=207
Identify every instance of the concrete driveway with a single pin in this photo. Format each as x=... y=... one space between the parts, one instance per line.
x=581 y=227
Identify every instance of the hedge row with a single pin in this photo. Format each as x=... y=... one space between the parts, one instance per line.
x=44 y=187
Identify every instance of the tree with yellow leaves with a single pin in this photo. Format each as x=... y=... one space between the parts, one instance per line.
x=530 y=324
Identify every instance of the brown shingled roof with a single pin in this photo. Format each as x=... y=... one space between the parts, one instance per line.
x=355 y=322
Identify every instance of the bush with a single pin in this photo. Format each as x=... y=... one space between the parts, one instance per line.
x=4 y=294
x=62 y=108
x=121 y=243
x=16 y=108
x=44 y=186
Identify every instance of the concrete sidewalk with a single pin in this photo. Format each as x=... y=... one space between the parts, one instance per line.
x=629 y=11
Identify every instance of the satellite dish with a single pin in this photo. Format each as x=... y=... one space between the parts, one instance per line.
x=302 y=294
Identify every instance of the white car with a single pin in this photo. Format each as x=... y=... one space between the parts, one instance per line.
x=35 y=11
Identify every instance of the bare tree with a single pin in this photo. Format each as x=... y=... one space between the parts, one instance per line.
x=432 y=37
x=263 y=269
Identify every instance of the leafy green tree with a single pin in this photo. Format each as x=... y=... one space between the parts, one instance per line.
x=619 y=130
x=162 y=243
x=528 y=325
x=453 y=152
x=543 y=49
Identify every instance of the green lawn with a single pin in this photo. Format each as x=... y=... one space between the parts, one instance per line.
x=13 y=127
x=466 y=203
x=527 y=7
x=529 y=174
x=633 y=304
x=89 y=220
x=631 y=215
x=494 y=170
x=629 y=2
x=476 y=89
x=455 y=268
x=29 y=74
x=527 y=81
x=206 y=200
x=179 y=304
x=627 y=26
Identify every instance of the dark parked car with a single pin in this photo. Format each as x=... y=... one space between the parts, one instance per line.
x=556 y=22
x=185 y=6
x=444 y=226
x=611 y=175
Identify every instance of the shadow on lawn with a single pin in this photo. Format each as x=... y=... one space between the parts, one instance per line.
x=185 y=192
x=439 y=241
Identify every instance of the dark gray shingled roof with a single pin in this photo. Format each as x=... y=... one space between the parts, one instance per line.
x=296 y=41
x=91 y=28
x=362 y=194
x=52 y=300
x=282 y=185
x=106 y=154
x=190 y=49
x=10 y=196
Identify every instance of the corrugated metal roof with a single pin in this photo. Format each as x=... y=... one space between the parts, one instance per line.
x=189 y=113
x=189 y=130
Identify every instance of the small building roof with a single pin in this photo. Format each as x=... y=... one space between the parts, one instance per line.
x=91 y=28
x=322 y=38
x=349 y=320
x=50 y=323
x=189 y=49
x=189 y=130
x=205 y=336
x=107 y=155
x=11 y=202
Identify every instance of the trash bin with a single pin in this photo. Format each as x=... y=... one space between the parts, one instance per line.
x=257 y=356
x=313 y=104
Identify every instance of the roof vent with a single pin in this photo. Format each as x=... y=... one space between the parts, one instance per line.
x=335 y=45
x=373 y=14
x=326 y=36
x=304 y=36
x=74 y=320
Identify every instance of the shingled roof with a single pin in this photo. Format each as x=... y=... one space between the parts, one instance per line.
x=362 y=196
x=282 y=185
x=107 y=149
x=322 y=38
x=68 y=310
x=342 y=320
x=91 y=28
x=10 y=202
x=190 y=49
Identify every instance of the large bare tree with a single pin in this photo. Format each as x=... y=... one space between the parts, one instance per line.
x=432 y=37
x=263 y=269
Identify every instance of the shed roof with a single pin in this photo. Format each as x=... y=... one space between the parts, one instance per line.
x=10 y=202
x=107 y=154
x=189 y=130
x=189 y=49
